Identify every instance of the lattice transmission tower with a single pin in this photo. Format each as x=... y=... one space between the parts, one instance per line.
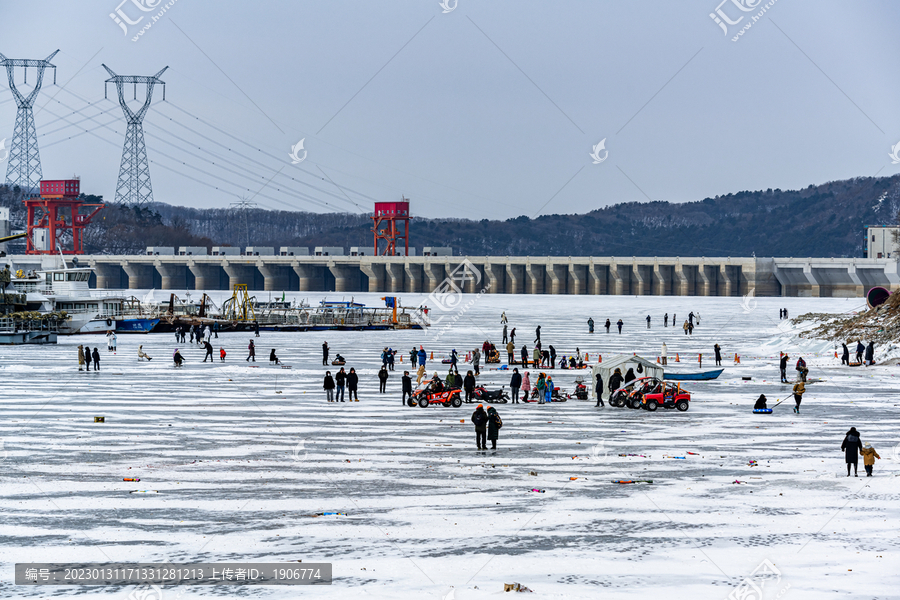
x=133 y=187
x=24 y=166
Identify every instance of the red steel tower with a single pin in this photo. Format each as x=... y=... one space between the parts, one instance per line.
x=55 y=211
x=388 y=217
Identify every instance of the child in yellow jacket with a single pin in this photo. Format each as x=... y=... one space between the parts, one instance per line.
x=869 y=455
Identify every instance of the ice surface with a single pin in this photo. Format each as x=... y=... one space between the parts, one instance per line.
x=243 y=456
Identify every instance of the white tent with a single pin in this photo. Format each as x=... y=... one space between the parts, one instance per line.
x=623 y=362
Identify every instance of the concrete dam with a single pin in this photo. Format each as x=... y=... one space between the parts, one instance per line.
x=678 y=276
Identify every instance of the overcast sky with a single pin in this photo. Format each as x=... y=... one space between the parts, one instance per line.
x=489 y=110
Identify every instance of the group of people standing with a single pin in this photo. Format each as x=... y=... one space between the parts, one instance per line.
x=334 y=386
x=85 y=357
x=865 y=354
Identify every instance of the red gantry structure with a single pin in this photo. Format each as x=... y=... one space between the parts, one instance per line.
x=388 y=219
x=54 y=212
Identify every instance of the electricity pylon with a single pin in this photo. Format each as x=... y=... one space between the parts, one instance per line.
x=133 y=187
x=24 y=166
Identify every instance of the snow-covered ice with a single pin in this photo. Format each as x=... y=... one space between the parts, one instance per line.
x=243 y=457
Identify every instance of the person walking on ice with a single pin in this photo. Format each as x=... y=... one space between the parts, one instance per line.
x=209 y=350
x=494 y=425
x=407 y=387
x=81 y=358
x=718 y=352
x=328 y=386
x=608 y=325
x=590 y=325
x=619 y=324
x=222 y=354
x=799 y=390
x=480 y=419
x=852 y=448
x=665 y=354
x=648 y=321
x=252 y=351
x=869 y=455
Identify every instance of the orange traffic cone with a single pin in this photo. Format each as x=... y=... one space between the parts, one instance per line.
x=432 y=355
x=401 y=358
x=657 y=360
x=599 y=358
x=677 y=358
x=737 y=359
x=835 y=354
x=587 y=357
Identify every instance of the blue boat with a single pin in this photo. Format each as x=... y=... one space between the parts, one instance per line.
x=704 y=376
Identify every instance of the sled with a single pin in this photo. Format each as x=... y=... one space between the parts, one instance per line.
x=762 y=411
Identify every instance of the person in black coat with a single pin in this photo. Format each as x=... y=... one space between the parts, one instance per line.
x=608 y=325
x=469 y=386
x=340 y=379
x=598 y=387
x=272 y=357
x=552 y=356
x=209 y=350
x=870 y=353
x=852 y=446
x=407 y=386
x=845 y=357
x=325 y=353
x=718 y=352
x=783 y=367
x=515 y=382
x=382 y=379
x=629 y=375
x=760 y=402
x=860 y=349
x=494 y=425
x=328 y=386
x=96 y=357
x=524 y=357
x=480 y=419
x=615 y=380
x=352 y=383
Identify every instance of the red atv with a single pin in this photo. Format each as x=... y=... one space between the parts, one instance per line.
x=436 y=392
x=667 y=395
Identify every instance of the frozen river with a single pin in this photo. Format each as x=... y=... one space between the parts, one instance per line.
x=244 y=457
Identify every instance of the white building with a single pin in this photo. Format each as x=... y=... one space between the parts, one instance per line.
x=881 y=242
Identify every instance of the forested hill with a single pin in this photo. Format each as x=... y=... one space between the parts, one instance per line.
x=826 y=221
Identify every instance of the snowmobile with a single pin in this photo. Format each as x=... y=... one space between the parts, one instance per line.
x=491 y=397
x=581 y=390
x=436 y=392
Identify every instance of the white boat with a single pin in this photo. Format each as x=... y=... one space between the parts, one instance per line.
x=67 y=289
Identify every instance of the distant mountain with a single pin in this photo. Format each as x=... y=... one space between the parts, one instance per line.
x=826 y=221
